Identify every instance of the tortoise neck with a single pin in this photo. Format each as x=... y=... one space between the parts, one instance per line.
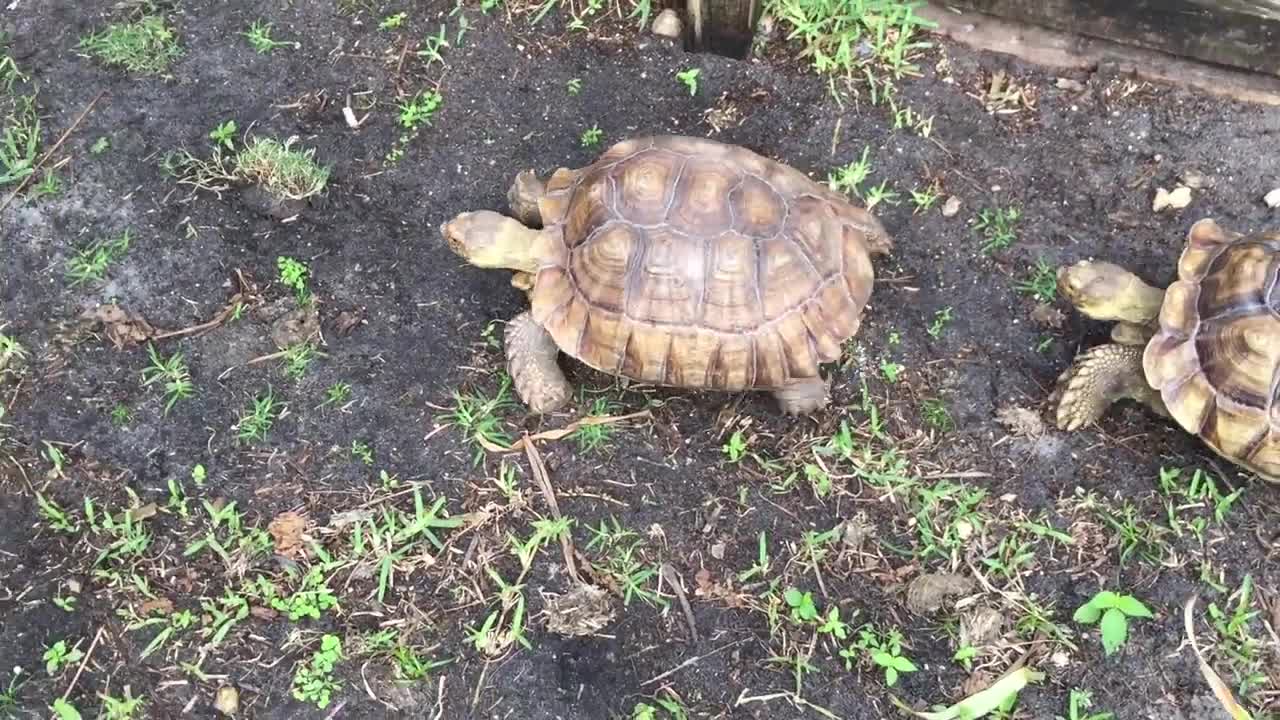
x=1138 y=303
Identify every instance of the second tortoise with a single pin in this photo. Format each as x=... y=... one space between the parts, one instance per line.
x=1205 y=352
x=679 y=262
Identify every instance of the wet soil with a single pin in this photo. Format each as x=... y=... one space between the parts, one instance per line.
x=1081 y=162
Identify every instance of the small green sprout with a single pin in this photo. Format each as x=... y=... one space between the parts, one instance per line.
x=690 y=79
x=1112 y=612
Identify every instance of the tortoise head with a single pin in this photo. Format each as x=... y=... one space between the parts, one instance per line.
x=491 y=240
x=1106 y=291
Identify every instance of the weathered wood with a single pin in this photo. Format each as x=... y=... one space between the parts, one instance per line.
x=1235 y=33
x=725 y=27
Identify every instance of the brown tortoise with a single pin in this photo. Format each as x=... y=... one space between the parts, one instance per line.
x=1206 y=351
x=680 y=262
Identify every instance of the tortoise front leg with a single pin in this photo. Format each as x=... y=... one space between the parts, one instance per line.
x=1097 y=378
x=531 y=363
x=523 y=195
x=803 y=397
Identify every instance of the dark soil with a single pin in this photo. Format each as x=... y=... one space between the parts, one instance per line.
x=1082 y=165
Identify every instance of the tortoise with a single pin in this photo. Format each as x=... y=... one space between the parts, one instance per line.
x=1205 y=352
x=680 y=262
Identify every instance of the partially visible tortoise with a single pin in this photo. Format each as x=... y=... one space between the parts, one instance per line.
x=679 y=262
x=1206 y=351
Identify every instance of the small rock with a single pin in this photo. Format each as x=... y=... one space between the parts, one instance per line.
x=1179 y=198
x=951 y=206
x=1196 y=180
x=717 y=551
x=1069 y=84
x=227 y=700
x=667 y=24
x=1272 y=198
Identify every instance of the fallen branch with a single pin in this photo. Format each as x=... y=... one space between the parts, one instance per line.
x=1220 y=689
x=561 y=432
x=544 y=484
x=45 y=158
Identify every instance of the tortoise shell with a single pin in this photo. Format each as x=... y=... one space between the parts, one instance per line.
x=1216 y=356
x=692 y=263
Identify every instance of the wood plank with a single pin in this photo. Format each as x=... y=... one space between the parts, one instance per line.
x=1235 y=33
x=724 y=27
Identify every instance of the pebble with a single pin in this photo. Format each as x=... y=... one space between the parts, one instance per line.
x=1272 y=198
x=227 y=700
x=951 y=207
x=667 y=24
x=1178 y=199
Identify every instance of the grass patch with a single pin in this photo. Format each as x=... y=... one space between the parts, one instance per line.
x=91 y=263
x=145 y=46
x=282 y=171
x=854 y=38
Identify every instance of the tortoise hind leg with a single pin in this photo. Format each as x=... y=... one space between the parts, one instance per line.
x=1097 y=378
x=803 y=397
x=524 y=193
x=531 y=363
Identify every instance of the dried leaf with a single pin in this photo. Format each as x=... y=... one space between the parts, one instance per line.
x=287 y=528
x=122 y=327
x=1020 y=421
x=584 y=610
x=981 y=626
x=1220 y=689
x=158 y=605
x=981 y=703
x=928 y=592
x=1048 y=315
x=295 y=326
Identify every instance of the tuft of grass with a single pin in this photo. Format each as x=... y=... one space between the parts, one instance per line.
x=286 y=173
x=19 y=142
x=853 y=38
x=173 y=371
x=592 y=136
x=998 y=227
x=146 y=46
x=690 y=79
x=259 y=36
x=1042 y=283
x=90 y=264
x=256 y=422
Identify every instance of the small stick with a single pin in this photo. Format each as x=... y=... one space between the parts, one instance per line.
x=690 y=661
x=670 y=575
x=51 y=151
x=544 y=483
x=96 y=637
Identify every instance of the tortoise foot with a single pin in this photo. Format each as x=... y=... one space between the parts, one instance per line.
x=1097 y=378
x=804 y=397
x=523 y=195
x=531 y=362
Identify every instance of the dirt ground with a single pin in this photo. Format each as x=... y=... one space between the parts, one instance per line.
x=923 y=464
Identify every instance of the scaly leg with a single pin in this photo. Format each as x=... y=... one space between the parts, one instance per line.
x=803 y=397
x=531 y=362
x=524 y=193
x=1097 y=378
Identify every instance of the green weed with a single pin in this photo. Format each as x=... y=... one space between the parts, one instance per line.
x=146 y=46
x=90 y=264
x=998 y=227
x=1042 y=283
x=1111 y=612
x=690 y=79
x=173 y=372
x=259 y=36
